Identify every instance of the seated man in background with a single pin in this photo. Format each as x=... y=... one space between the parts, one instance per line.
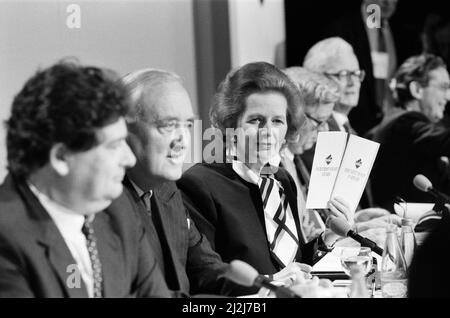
x=411 y=139
x=336 y=59
x=65 y=228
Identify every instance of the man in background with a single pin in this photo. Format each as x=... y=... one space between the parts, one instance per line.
x=411 y=139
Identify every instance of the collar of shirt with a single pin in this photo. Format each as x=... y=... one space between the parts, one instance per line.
x=67 y=221
x=341 y=119
x=251 y=176
x=287 y=153
x=138 y=190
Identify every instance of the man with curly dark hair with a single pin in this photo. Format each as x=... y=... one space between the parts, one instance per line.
x=412 y=141
x=67 y=155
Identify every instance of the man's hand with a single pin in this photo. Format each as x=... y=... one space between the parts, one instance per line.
x=379 y=222
x=318 y=288
x=292 y=274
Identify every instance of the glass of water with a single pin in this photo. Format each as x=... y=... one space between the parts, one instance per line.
x=351 y=257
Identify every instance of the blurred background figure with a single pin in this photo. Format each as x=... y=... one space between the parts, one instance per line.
x=382 y=33
x=412 y=141
x=335 y=58
x=318 y=94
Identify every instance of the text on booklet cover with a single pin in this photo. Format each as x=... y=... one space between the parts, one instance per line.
x=341 y=168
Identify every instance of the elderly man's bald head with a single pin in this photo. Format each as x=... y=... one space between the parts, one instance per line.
x=336 y=58
x=145 y=83
x=327 y=55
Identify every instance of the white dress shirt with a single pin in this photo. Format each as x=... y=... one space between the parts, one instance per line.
x=341 y=119
x=139 y=191
x=69 y=224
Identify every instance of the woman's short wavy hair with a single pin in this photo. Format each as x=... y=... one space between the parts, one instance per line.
x=65 y=103
x=415 y=69
x=229 y=102
x=315 y=88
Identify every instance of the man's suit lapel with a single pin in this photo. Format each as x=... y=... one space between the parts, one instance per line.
x=163 y=247
x=149 y=227
x=170 y=226
x=58 y=253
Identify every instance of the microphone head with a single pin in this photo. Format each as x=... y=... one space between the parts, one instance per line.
x=422 y=183
x=241 y=273
x=339 y=226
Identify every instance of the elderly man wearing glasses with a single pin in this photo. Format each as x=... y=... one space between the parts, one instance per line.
x=335 y=58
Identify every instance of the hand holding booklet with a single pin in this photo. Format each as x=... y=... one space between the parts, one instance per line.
x=341 y=168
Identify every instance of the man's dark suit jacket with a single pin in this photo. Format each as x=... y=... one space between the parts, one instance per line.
x=409 y=145
x=229 y=211
x=185 y=256
x=34 y=258
x=428 y=273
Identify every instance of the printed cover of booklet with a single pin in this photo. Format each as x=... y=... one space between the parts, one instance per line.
x=341 y=168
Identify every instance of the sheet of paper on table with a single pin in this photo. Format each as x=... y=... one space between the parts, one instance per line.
x=331 y=262
x=414 y=210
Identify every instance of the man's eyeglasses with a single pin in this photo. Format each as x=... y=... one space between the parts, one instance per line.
x=445 y=87
x=171 y=125
x=347 y=75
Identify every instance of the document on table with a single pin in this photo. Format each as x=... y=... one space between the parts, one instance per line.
x=331 y=262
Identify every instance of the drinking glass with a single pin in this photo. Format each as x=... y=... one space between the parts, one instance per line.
x=351 y=257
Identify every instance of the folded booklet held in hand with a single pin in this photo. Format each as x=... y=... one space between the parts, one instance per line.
x=341 y=168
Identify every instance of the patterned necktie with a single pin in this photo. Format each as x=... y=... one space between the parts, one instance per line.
x=280 y=224
x=91 y=243
x=348 y=128
x=146 y=199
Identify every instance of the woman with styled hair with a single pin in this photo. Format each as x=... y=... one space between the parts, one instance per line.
x=246 y=206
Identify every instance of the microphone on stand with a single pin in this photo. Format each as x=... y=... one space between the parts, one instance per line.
x=441 y=203
x=424 y=184
x=342 y=228
x=243 y=274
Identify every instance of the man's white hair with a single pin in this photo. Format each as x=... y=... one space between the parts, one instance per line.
x=145 y=80
x=326 y=53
